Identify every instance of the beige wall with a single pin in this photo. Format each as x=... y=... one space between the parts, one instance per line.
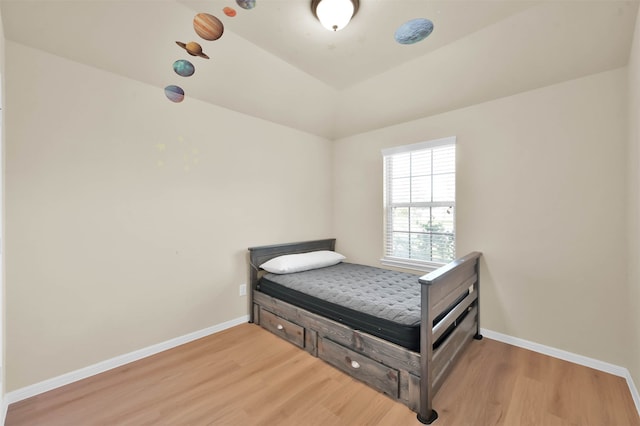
x=634 y=204
x=541 y=192
x=2 y=229
x=128 y=217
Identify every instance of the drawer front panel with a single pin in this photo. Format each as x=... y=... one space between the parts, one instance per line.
x=283 y=328
x=376 y=375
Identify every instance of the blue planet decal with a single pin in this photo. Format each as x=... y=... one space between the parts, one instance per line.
x=174 y=93
x=414 y=31
x=246 y=4
x=184 y=68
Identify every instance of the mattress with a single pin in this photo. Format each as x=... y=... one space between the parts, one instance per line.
x=377 y=301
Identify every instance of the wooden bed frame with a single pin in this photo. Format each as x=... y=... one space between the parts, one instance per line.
x=409 y=377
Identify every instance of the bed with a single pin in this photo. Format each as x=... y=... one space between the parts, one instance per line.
x=397 y=332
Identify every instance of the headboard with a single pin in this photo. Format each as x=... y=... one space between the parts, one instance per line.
x=261 y=254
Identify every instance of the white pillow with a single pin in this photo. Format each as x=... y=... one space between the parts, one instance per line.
x=302 y=262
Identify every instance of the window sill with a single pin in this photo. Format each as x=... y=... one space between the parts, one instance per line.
x=410 y=264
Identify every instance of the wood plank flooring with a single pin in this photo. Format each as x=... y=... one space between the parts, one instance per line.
x=247 y=376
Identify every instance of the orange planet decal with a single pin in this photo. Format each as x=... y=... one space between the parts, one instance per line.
x=208 y=26
x=193 y=49
x=229 y=11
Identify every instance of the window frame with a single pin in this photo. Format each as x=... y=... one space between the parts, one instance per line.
x=401 y=262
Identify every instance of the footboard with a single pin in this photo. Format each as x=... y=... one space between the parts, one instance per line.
x=440 y=289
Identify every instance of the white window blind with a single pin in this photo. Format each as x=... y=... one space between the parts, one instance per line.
x=420 y=202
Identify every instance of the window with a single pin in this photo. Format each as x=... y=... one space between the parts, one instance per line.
x=420 y=203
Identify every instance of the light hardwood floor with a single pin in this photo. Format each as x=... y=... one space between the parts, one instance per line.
x=247 y=376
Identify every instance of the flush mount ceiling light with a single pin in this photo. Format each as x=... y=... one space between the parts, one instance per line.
x=334 y=15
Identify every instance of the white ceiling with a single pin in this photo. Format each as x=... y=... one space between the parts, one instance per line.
x=278 y=63
x=366 y=47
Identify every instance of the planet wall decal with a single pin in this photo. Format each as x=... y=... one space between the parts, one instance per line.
x=193 y=49
x=246 y=4
x=414 y=31
x=229 y=11
x=184 y=68
x=208 y=26
x=174 y=93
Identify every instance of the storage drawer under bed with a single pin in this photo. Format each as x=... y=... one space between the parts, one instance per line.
x=286 y=329
x=373 y=373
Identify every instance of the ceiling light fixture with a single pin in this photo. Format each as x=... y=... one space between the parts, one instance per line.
x=334 y=15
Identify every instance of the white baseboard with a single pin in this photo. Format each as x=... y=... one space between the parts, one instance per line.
x=92 y=370
x=568 y=356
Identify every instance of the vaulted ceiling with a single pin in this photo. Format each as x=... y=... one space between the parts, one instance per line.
x=278 y=63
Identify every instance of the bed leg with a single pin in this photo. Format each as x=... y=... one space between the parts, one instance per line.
x=478 y=335
x=429 y=419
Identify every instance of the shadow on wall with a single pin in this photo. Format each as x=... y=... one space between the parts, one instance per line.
x=491 y=315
